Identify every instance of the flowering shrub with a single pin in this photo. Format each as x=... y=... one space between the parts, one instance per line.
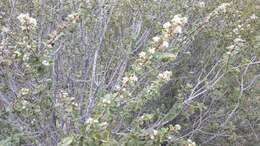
x=129 y=73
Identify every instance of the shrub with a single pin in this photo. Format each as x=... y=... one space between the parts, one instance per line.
x=129 y=73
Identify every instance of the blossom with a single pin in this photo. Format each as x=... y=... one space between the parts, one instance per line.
x=45 y=62
x=167 y=25
x=165 y=44
x=178 y=20
x=134 y=78
x=125 y=80
x=25 y=20
x=238 y=40
x=178 y=29
x=24 y=102
x=152 y=136
x=73 y=17
x=106 y=101
x=166 y=75
x=155 y=132
x=103 y=124
x=5 y=29
x=253 y=17
x=236 y=31
x=156 y=39
x=142 y=54
x=151 y=50
x=178 y=127
x=166 y=35
x=201 y=4
x=191 y=143
x=222 y=7
x=24 y=91
x=91 y=121
x=172 y=56
x=26 y=57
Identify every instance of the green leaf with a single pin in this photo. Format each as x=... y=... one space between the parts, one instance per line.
x=66 y=141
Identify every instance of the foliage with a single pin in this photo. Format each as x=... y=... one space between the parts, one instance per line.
x=130 y=73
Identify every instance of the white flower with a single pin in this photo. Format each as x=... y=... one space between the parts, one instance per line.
x=5 y=29
x=22 y=17
x=223 y=7
x=152 y=137
x=178 y=20
x=142 y=54
x=184 y=20
x=89 y=121
x=17 y=53
x=172 y=56
x=45 y=62
x=178 y=29
x=103 y=124
x=189 y=140
x=72 y=17
x=33 y=121
x=201 y=4
x=238 y=40
x=165 y=75
x=155 y=132
x=236 y=31
x=25 y=19
x=134 y=78
x=156 y=39
x=24 y=91
x=253 y=17
x=117 y=87
x=26 y=57
x=106 y=101
x=165 y=44
x=167 y=25
x=178 y=127
x=24 y=102
x=125 y=80
x=151 y=50
x=166 y=35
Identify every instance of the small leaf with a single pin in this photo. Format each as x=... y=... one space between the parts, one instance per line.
x=66 y=141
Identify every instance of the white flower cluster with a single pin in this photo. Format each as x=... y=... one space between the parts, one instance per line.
x=165 y=76
x=24 y=91
x=132 y=78
x=253 y=17
x=220 y=9
x=153 y=134
x=177 y=127
x=91 y=121
x=201 y=4
x=24 y=104
x=159 y=42
x=45 y=63
x=170 y=28
x=162 y=41
x=106 y=101
x=223 y=7
x=191 y=143
x=27 y=22
x=178 y=20
x=235 y=47
x=73 y=17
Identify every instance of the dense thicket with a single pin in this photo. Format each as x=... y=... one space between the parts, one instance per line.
x=129 y=72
